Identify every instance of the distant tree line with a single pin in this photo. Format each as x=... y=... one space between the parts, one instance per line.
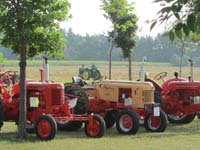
x=96 y=47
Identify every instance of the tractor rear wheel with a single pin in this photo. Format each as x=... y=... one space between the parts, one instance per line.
x=80 y=108
x=82 y=102
x=96 y=75
x=46 y=127
x=96 y=127
x=127 y=122
x=110 y=118
x=69 y=126
x=86 y=74
x=156 y=124
x=181 y=119
x=157 y=97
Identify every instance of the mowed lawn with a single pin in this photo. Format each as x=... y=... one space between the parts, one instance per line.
x=176 y=137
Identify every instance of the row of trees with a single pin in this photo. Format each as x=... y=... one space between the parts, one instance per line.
x=95 y=47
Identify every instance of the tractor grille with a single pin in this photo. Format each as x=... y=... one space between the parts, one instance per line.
x=57 y=96
x=148 y=96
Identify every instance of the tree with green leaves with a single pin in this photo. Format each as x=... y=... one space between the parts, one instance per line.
x=30 y=28
x=183 y=16
x=120 y=13
x=126 y=37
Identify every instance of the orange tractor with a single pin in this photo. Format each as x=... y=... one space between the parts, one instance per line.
x=126 y=103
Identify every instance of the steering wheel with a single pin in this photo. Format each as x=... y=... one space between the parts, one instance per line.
x=160 y=75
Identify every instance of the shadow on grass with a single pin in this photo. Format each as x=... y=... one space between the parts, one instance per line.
x=171 y=131
x=12 y=137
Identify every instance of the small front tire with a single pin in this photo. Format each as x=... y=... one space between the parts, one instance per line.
x=96 y=127
x=46 y=127
x=156 y=124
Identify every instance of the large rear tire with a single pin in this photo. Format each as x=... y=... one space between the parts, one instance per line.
x=181 y=119
x=80 y=108
x=46 y=127
x=156 y=124
x=110 y=118
x=157 y=97
x=69 y=126
x=96 y=75
x=96 y=128
x=127 y=122
x=86 y=74
x=82 y=102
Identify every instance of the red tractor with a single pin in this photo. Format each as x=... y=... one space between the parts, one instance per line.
x=47 y=105
x=179 y=98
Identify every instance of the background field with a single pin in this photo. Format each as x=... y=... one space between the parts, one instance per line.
x=64 y=70
x=182 y=137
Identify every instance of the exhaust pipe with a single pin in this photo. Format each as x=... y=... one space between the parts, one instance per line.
x=42 y=75
x=142 y=70
x=191 y=78
x=46 y=69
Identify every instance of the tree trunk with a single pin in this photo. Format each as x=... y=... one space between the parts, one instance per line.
x=130 y=68
x=110 y=59
x=181 y=60
x=110 y=53
x=22 y=106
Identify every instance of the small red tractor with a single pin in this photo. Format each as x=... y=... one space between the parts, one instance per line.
x=47 y=106
x=179 y=98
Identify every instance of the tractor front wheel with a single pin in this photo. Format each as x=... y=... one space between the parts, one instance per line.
x=46 y=127
x=156 y=123
x=96 y=127
x=127 y=122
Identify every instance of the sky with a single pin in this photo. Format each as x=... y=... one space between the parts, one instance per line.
x=87 y=17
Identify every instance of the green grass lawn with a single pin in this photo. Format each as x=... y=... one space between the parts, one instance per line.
x=176 y=137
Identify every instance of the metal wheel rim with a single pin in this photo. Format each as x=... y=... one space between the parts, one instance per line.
x=93 y=128
x=125 y=123
x=150 y=123
x=85 y=75
x=44 y=128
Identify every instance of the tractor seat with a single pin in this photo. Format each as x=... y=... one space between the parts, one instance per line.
x=72 y=102
x=78 y=80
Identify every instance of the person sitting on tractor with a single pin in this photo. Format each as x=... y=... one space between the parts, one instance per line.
x=7 y=80
x=16 y=89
